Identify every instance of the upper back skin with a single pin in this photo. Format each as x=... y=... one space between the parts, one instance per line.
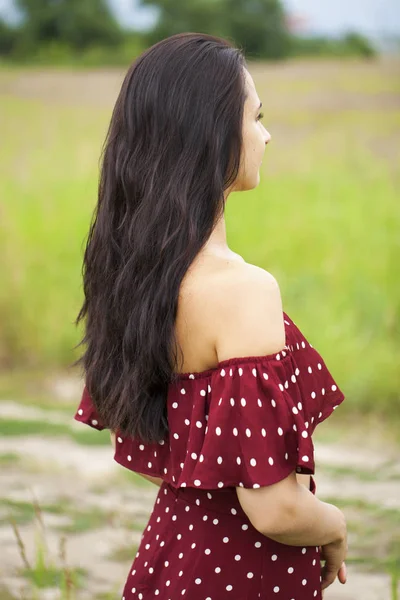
x=214 y=297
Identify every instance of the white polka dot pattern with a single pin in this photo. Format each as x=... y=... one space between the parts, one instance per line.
x=247 y=425
x=87 y=413
x=254 y=431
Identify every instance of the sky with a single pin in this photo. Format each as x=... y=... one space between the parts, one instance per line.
x=374 y=18
x=367 y=16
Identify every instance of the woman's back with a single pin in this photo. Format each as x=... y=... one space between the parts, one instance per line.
x=214 y=296
x=200 y=296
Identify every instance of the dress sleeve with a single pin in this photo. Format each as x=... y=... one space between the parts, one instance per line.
x=255 y=433
x=242 y=426
x=87 y=413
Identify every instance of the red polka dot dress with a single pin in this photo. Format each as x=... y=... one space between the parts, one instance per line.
x=246 y=423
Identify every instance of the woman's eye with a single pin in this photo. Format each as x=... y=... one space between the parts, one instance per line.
x=260 y=116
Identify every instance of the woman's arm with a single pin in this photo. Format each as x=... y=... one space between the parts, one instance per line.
x=156 y=480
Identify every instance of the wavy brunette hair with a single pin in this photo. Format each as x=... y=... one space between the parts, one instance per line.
x=172 y=148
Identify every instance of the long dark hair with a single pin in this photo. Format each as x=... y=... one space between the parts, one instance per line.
x=172 y=148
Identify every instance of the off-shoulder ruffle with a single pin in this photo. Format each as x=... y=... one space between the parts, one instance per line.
x=87 y=413
x=246 y=423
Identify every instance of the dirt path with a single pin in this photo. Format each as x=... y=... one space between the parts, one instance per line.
x=102 y=509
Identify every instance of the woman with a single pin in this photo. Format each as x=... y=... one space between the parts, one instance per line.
x=208 y=388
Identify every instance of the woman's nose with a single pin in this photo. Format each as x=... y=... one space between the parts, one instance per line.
x=267 y=137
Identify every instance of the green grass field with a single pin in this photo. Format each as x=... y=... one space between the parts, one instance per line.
x=325 y=219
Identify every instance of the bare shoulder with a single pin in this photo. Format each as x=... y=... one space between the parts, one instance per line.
x=250 y=315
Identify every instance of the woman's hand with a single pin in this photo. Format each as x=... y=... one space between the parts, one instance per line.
x=342 y=575
x=334 y=555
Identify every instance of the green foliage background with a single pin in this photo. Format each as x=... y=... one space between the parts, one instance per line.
x=87 y=33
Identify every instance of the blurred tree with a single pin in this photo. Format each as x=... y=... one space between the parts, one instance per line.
x=78 y=24
x=350 y=44
x=8 y=36
x=176 y=16
x=359 y=45
x=258 y=26
x=86 y=31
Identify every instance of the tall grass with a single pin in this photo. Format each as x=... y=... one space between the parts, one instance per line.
x=45 y=571
x=325 y=219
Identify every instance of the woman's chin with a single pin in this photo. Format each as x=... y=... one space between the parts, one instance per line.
x=256 y=180
x=249 y=183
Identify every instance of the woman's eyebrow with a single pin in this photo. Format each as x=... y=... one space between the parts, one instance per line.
x=259 y=107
